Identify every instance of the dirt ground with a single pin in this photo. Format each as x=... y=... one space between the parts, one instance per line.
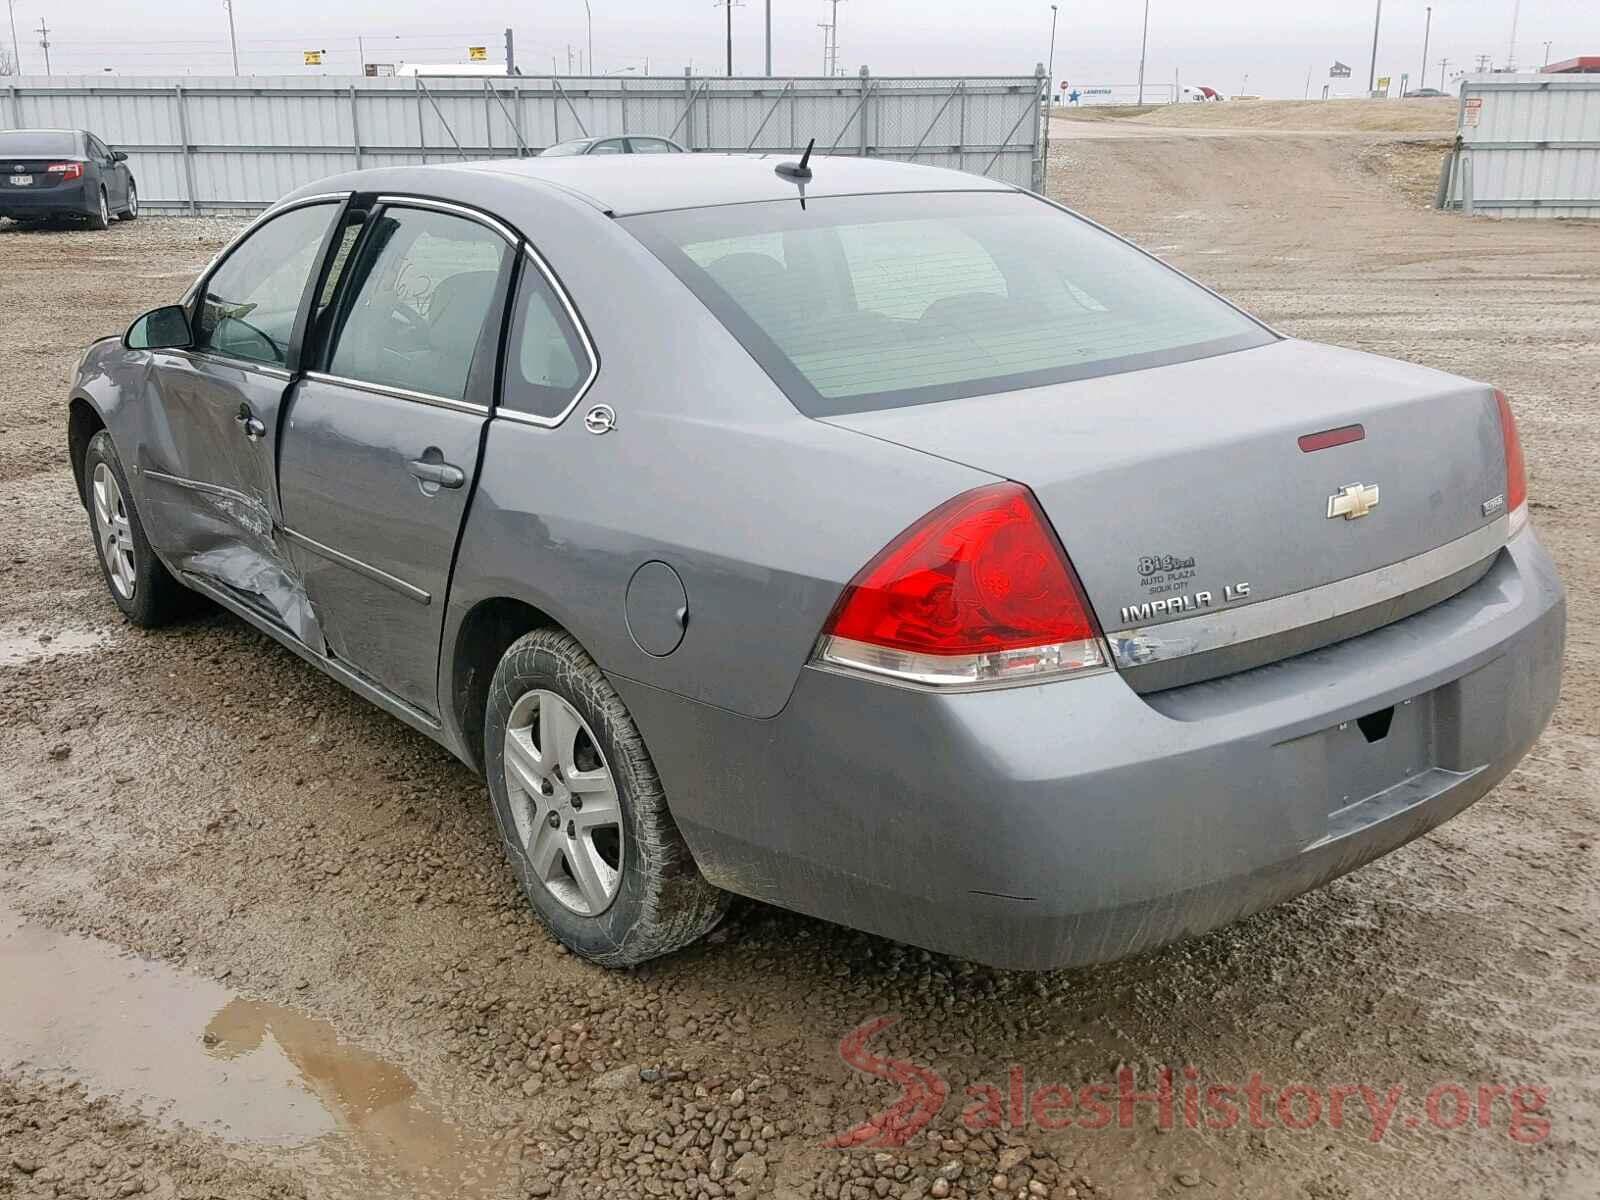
x=1435 y=115
x=338 y=991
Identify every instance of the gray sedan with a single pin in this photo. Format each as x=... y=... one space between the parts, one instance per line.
x=878 y=541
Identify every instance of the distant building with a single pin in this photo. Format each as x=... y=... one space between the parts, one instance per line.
x=1588 y=64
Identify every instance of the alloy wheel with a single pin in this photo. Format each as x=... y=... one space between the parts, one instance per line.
x=116 y=536
x=564 y=800
x=133 y=201
x=105 y=210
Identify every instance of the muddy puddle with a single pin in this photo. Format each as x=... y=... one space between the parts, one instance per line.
x=187 y=1051
x=25 y=646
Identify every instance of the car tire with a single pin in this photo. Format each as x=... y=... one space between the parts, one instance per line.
x=131 y=213
x=101 y=219
x=617 y=897
x=140 y=584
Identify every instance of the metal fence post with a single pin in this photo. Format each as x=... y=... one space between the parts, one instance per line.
x=866 y=88
x=688 y=108
x=623 y=84
x=188 y=154
x=422 y=136
x=1041 y=127
x=355 y=124
x=16 y=107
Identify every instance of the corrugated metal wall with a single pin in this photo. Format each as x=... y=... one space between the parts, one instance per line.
x=1529 y=146
x=208 y=144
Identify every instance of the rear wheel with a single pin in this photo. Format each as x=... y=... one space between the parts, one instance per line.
x=101 y=219
x=142 y=587
x=131 y=213
x=581 y=811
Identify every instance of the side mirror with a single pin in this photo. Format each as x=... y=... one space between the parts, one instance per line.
x=119 y=156
x=164 y=328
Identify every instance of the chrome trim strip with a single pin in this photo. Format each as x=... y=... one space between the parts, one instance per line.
x=583 y=335
x=398 y=393
x=408 y=590
x=459 y=210
x=203 y=356
x=197 y=485
x=1265 y=618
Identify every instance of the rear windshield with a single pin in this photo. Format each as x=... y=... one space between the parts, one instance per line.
x=866 y=302
x=39 y=143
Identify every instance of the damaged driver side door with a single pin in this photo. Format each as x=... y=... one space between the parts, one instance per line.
x=209 y=458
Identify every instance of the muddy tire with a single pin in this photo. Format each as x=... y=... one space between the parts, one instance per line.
x=581 y=811
x=142 y=587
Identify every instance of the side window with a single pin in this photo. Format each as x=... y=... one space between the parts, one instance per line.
x=250 y=302
x=421 y=288
x=610 y=146
x=643 y=145
x=548 y=361
x=97 y=149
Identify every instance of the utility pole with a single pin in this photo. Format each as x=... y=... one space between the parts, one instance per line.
x=1547 y=53
x=729 y=5
x=511 y=53
x=1144 y=42
x=590 y=13
x=1443 y=63
x=1427 y=29
x=830 y=42
x=1372 y=71
x=233 y=39
x=16 y=54
x=1052 y=61
x=1511 y=49
x=44 y=41
x=769 y=41
x=1483 y=63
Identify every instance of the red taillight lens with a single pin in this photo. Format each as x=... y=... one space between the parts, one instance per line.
x=1516 y=469
x=977 y=592
x=67 y=170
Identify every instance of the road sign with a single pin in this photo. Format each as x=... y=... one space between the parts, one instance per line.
x=1383 y=85
x=314 y=58
x=1338 y=70
x=478 y=53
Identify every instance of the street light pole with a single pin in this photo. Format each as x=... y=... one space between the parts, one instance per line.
x=232 y=38
x=1372 y=71
x=1426 y=30
x=1144 y=42
x=1052 y=60
x=769 y=39
x=590 y=13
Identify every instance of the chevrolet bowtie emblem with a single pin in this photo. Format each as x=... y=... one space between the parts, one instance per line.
x=1353 y=500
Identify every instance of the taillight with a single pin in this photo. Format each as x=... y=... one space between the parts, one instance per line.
x=978 y=592
x=1516 y=469
x=67 y=170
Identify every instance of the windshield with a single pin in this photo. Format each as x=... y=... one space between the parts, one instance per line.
x=39 y=143
x=867 y=302
x=565 y=149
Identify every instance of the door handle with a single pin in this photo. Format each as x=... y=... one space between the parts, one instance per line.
x=441 y=473
x=253 y=428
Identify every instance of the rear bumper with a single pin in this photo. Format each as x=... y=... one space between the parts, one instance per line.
x=68 y=199
x=1077 y=822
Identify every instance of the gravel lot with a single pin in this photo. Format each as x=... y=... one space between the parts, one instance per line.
x=328 y=934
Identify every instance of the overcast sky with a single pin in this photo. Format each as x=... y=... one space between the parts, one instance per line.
x=1215 y=42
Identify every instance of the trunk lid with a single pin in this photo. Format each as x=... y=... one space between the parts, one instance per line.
x=33 y=168
x=1182 y=491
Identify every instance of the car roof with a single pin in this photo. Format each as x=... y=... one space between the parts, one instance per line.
x=624 y=185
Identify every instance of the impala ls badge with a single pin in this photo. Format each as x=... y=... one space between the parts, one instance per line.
x=1353 y=500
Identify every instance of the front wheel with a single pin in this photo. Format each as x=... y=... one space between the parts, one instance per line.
x=140 y=584
x=581 y=811
x=131 y=213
